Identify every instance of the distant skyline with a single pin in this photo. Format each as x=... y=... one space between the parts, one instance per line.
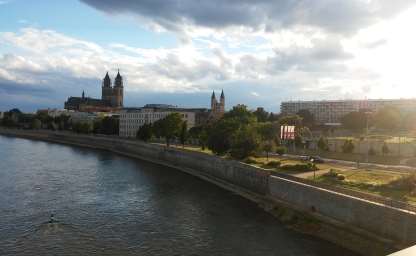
x=178 y=51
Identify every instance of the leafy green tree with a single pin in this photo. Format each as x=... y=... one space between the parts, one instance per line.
x=323 y=144
x=183 y=135
x=36 y=124
x=63 y=122
x=220 y=135
x=307 y=117
x=168 y=127
x=200 y=133
x=388 y=118
x=245 y=142
x=145 y=132
x=261 y=114
x=291 y=120
x=241 y=114
x=274 y=117
x=110 y=125
x=268 y=146
x=82 y=127
x=348 y=146
x=354 y=121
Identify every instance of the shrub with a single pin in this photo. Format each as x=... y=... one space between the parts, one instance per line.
x=340 y=177
x=348 y=146
x=372 y=151
x=250 y=160
x=407 y=182
x=333 y=173
x=281 y=150
x=273 y=164
x=299 y=167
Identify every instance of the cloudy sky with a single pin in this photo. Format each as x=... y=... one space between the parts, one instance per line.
x=177 y=51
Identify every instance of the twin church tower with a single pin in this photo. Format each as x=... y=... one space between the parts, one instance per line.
x=113 y=94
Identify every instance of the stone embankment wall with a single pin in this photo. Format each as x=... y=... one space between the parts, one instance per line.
x=350 y=221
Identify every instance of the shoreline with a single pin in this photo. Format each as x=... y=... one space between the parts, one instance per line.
x=292 y=216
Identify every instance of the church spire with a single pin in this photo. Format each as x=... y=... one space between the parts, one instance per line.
x=222 y=94
x=213 y=95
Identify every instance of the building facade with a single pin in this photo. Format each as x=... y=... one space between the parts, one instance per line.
x=132 y=119
x=331 y=111
x=112 y=97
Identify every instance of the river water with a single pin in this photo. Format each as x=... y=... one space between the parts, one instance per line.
x=105 y=204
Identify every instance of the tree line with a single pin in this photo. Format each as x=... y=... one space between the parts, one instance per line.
x=240 y=133
x=14 y=118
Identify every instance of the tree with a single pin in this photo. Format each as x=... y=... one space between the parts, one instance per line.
x=323 y=144
x=291 y=120
x=261 y=114
x=268 y=146
x=36 y=124
x=110 y=125
x=387 y=118
x=241 y=114
x=307 y=117
x=355 y=121
x=199 y=133
x=145 y=132
x=348 y=146
x=82 y=127
x=245 y=142
x=168 y=127
x=183 y=135
x=220 y=135
x=385 y=149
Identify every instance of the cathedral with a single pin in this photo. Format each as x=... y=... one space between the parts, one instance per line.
x=217 y=108
x=111 y=97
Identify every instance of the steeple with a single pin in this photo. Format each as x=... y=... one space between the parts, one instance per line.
x=83 y=94
x=222 y=94
x=118 y=82
x=107 y=81
x=213 y=95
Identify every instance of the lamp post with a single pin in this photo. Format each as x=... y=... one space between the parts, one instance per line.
x=367 y=113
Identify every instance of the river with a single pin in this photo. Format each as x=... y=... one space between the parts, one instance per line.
x=106 y=204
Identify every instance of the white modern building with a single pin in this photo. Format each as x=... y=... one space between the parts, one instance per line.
x=331 y=111
x=133 y=118
x=1 y=115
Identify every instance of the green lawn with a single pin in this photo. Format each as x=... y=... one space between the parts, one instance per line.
x=379 y=182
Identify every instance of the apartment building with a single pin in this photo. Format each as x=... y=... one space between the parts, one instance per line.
x=132 y=119
x=331 y=111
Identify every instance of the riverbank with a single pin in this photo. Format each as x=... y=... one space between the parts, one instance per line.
x=365 y=227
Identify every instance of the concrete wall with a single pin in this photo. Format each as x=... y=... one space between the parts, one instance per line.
x=391 y=223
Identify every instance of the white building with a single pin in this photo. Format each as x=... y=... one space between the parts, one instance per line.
x=1 y=115
x=331 y=111
x=132 y=119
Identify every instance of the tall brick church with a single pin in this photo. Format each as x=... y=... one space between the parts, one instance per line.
x=111 y=97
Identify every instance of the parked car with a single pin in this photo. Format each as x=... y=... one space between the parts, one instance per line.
x=316 y=159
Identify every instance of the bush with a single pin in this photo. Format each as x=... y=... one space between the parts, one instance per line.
x=333 y=173
x=308 y=167
x=348 y=146
x=250 y=160
x=407 y=182
x=273 y=164
x=340 y=177
x=281 y=150
x=372 y=151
